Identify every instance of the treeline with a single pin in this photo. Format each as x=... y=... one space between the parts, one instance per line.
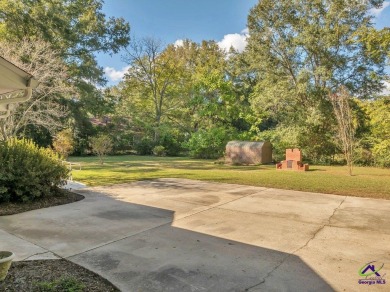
x=194 y=97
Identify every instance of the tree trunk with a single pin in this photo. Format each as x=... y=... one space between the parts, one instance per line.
x=157 y=128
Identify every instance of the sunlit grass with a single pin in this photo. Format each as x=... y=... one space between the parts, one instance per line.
x=366 y=181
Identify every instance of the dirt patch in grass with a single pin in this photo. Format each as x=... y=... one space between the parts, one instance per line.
x=53 y=275
x=61 y=198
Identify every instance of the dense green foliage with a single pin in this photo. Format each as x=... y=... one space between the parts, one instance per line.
x=28 y=172
x=194 y=97
x=77 y=31
x=277 y=89
x=378 y=112
x=159 y=150
x=301 y=52
x=209 y=143
x=144 y=146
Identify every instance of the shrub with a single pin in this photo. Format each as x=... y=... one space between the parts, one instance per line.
x=28 y=172
x=171 y=142
x=381 y=153
x=379 y=112
x=209 y=143
x=144 y=146
x=121 y=143
x=101 y=145
x=159 y=150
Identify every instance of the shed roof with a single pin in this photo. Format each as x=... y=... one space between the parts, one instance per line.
x=246 y=144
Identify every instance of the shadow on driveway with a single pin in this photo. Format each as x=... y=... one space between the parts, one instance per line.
x=138 y=248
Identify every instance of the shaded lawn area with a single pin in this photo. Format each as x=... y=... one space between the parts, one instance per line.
x=366 y=182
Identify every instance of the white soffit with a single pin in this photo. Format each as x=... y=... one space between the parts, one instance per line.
x=12 y=78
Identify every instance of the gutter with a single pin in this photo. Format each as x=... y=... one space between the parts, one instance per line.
x=6 y=104
x=26 y=96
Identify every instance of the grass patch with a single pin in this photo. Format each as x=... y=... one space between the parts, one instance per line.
x=366 y=182
x=63 y=284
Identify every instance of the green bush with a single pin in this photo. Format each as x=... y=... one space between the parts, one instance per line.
x=378 y=113
x=144 y=146
x=28 y=172
x=209 y=143
x=159 y=150
x=172 y=143
x=381 y=153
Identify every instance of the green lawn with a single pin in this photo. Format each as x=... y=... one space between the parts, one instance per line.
x=366 y=182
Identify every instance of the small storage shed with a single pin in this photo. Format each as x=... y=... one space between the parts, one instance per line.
x=246 y=152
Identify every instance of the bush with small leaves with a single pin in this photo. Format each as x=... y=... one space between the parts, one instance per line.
x=144 y=146
x=28 y=172
x=172 y=143
x=209 y=143
x=159 y=150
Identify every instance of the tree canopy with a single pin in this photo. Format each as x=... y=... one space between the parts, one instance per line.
x=76 y=31
x=190 y=98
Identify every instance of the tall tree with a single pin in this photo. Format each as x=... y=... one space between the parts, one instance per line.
x=207 y=92
x=152 y=76
x=188 y=87
x=308 y=47
x=76 y=29
x=302 y=50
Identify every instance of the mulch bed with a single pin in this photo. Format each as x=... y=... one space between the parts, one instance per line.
x=61 y=198
x=53 y=275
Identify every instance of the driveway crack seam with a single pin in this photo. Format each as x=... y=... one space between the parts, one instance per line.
x=322 y=227
x=38 y=253
x=119 y=239
x=269 y=273
x=217 y=206
x=33 y=243
x=298 y=249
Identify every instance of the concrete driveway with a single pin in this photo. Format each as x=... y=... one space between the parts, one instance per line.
x=185 y=235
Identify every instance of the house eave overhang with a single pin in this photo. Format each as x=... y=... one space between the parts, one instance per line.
x=16 y=86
